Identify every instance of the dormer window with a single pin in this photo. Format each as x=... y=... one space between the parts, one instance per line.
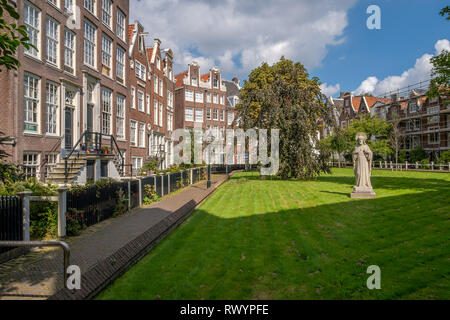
x=194 y=81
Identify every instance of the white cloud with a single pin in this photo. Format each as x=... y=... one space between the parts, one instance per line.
x=420 y=72
x=239 y=35
x=330 y=90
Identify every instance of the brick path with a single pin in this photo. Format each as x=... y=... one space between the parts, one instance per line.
x=38 y=274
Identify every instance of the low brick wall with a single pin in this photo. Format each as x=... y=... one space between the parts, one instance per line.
x=106 y=271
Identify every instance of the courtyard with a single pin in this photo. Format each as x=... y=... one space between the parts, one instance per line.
x=274 y=239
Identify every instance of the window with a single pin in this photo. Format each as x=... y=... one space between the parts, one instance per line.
x=208 y=97
x=189 y=95
x=208 y=113
x=32 y=23
x=69 y=49
x=142 y=135
x=120 y=28
x=189 y=114
x=31 y=103
x=140 y=100
x=147 y=102
x=158 y=63
x=141 y=71
x=170 y=99
x=433 y=138
x=198 y=115
x=89 y=44
x=137 y=164
x=155 y=112
x=31 y=165
x=51 y=160
x=216 y=82
x=120 y=63
x=215 y=114
x=433 y=110
x=52 y=108
x=106 y=54
x=155 y=84
x=433 y=119
x=194 y=81
x=215 y=98
x=106 y=110
x=133 y=132
x=106 y=12
x=230 y=118
x=68 y=5
x=54 y=2
x=120 y=125
x=161 y=87
x=52 y=41
x=160 y=115
x=199 y=96
x=90 y=5
x=222 y=100
x=413 y=106
x=222 y=115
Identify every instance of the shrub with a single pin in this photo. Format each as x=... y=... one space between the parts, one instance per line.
x=150 y=194
x=122 y=204
x=74 y=222
x=43 y=220
x=418 y=154
x=444 y=158
x=35 y=186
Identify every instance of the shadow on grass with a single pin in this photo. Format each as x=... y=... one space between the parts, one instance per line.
x=319 y=252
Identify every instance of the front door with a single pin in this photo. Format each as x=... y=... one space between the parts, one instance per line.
x=90 y=125
x=68 y=125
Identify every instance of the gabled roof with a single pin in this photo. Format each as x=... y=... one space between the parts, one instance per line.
x=356 y=101
x=130 y=32
x=179 y=79
x=372 y=100
x=149 y=54
x=205 y=77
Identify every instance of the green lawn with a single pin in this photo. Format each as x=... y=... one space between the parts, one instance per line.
x=267 y=239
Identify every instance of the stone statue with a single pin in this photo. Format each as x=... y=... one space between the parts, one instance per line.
x=362 y=165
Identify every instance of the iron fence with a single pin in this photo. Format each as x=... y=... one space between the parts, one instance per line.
x=96 y=204
x=11 y=220
x=134 y=194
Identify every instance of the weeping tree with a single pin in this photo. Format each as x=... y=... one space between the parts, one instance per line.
x=282 y=96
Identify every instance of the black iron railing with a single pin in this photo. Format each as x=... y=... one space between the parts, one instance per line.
x=11 y=220
x=93 y=143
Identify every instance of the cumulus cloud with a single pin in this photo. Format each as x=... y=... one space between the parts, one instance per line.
x=421 y=71
x=239 y=35
x=330 y=90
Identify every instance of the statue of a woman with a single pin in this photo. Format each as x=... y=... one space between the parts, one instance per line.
x=362 y=165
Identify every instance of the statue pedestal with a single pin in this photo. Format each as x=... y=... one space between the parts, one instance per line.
x=363 y=193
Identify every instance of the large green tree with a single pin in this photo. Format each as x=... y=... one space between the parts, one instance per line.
x=283 y=96
x=440 y=84
x=12 y=36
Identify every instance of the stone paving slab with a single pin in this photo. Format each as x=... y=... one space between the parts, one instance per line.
x=103 y=251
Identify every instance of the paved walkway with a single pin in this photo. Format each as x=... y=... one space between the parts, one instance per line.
x=38 y=274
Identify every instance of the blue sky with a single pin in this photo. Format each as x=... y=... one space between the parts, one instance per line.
x=329 y=37
x=409 y=29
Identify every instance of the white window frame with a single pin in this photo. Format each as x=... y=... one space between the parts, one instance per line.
x=107 y=12
x=120 y=117
x=90 y=6
x=215 y=98
x=189 y=114
x=120 y=63
x=140 y=101
x=148 y=103
x=31 y=164
x=230 y=118
x=155 y=84
x=107 y=97
x=133 y=132
x=32 y=21
x=133 y=97
x=189 y=95
x=141 y=135
x=107 y=53
x=69 y=49
x=141 y=71
x=199 y=115
x=52 y=41
x=52 y=108
x=160 y=117
x=199 y=96
x=90 y=44
x=32 y=102
x=161 y=87
x=120 y=24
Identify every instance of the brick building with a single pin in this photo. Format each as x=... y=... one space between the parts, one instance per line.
x=200 y=101
x=75 y=81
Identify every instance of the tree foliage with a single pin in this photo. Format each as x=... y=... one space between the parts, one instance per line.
x=440 y=84
x=12 y=37
x=282 y=96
